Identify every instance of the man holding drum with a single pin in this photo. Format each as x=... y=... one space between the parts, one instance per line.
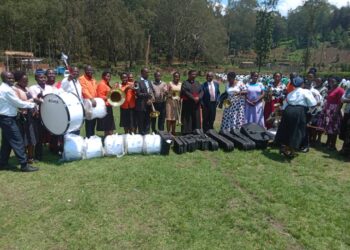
x=88 y=85
x=72 y=85
x=11 y=137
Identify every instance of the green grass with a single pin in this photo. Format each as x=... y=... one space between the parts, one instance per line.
x=200 y=200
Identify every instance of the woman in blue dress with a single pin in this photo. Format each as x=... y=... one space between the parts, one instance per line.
x=254 y=109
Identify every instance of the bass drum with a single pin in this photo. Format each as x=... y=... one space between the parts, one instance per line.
x=62 y=113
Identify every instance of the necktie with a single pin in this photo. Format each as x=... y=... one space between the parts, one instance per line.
x=212 y=92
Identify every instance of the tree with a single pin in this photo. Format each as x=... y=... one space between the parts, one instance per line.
x=240 y=21
x=263 y=34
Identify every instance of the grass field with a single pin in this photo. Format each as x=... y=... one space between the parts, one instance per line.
x=200 y=200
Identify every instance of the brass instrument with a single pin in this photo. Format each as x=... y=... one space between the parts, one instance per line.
x=227 y=103
x=154 y=113
x=116 y=97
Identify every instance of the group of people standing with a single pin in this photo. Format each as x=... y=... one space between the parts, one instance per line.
x=151 y=104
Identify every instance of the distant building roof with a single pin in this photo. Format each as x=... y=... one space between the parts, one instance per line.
x=18 y=53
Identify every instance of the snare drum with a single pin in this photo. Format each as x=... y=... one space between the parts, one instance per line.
x=99 y=111
x=62 y=113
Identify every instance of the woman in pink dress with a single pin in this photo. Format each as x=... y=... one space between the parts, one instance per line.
x=331 y=116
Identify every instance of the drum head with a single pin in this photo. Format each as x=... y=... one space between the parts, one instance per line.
x=55 y=114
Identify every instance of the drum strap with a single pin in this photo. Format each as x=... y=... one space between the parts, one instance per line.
x=76 y=90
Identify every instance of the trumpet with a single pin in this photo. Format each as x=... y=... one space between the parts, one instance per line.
x=116 y=97
x=154 y=113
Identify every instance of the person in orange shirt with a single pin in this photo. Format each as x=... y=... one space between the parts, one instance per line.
x=88 y=85
x=127 y=110
x=131 y=78
x=106 y=123
x=290 y=87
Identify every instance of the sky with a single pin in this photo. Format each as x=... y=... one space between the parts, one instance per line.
x=285 y=5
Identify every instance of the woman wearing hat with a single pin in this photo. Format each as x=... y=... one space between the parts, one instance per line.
x=292 y=128
x=330 y=118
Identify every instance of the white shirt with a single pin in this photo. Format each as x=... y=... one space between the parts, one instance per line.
x=317 y=95
x=9 y=101
x=300 y=97
x=35 y=90
x=146 y=83
x=346 y=96
x=68 y=86
x=211 y=88
x=239 y=86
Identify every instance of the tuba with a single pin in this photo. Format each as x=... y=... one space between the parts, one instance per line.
x=116 y=97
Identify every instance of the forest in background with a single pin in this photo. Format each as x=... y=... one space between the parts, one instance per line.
x=110 y=32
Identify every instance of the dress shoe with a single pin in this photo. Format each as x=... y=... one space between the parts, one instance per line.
x=29 y=168
x=304 y=150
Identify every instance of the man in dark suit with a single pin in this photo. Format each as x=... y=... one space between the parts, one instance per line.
x=191 y=95
x=210 y=99
x=144 y=96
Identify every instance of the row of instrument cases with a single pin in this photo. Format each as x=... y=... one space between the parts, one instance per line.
x=249 y=137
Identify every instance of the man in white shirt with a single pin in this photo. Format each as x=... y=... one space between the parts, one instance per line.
x=11 y=137
x=71 y=83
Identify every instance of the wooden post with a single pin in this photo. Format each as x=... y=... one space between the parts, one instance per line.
x=147 y=50
x=7 y=63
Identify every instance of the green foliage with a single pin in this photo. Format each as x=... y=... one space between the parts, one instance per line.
x=263 y=38
x=112 y=32
x=240 y=21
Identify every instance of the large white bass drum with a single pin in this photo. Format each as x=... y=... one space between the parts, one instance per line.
x=62 y=113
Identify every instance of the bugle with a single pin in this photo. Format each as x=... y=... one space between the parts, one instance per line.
x=154 y=113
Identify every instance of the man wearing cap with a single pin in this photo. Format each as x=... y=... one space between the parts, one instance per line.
x=292 y=128
x=88 y=86
x=11 y=137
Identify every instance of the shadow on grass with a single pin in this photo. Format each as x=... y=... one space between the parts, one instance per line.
x=48 y=158
x=331 y=154
x=273 y=154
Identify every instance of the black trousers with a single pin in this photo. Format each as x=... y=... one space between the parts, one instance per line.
x=41 y=134
x=90 y=126
x=143 y=122
x=11 y=138
x=190 y=117
x=161 y=118
x=209 y=114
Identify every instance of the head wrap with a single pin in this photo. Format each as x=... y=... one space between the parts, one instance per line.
x=298 y=81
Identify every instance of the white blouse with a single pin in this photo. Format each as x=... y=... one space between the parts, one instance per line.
x=300 y=97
